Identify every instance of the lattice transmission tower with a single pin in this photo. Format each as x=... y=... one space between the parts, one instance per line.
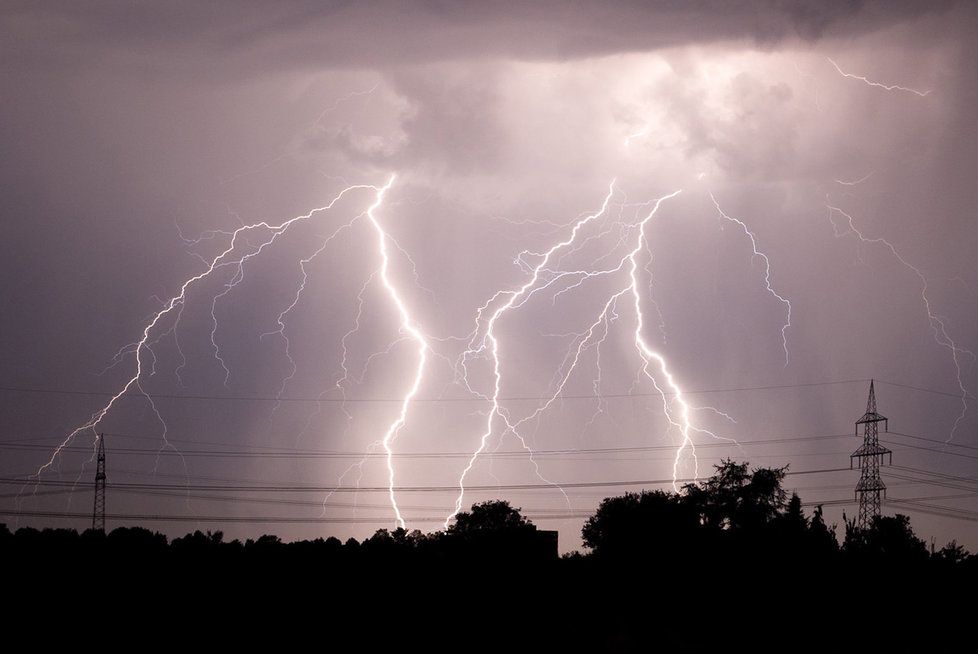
x=98 y=513
x=870 y=491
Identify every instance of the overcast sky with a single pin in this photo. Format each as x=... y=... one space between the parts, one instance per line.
x=137 y=137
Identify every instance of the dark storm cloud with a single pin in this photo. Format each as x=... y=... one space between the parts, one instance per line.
x=304 y=33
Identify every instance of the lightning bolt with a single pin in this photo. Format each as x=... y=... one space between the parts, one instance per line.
x=410 y=327
x=937 y=323
x=230 y=256
x=855 y=182
x=544 y=275
x=280 y=321
x=345 y=98
x=349 y=377
x=887 y=87
x=489 y=341
x=683 y=423
x=767 y=274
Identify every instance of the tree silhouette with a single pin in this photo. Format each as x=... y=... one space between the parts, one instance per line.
x=822 y=537
x=737 y=513
x=736 y=498
x=640 y=522
x=494 y=516
x=495 y=531
x=951 y=554
x=888 y=539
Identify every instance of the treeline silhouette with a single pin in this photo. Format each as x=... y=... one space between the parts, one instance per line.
x=732 y=555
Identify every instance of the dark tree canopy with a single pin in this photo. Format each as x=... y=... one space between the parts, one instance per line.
x=491 y=516
x=639 y=521
x=735 y=497
x=736 y=512
x=889 y=539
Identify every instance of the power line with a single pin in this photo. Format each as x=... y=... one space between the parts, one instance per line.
x=275 y=452
x=518 y=454
x=259 y=398
x=426 y=455
x=935 y=450
x=953 y=512
x=934 y=440
x=941 y=511
x=397 y=489
x=908 y=481
x=942 y=475
x=351 y=505
x=958 y=395
x=222 y=498
x=941 y=484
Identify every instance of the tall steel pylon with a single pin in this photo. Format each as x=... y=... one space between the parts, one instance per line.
x=870 y=490
x=98 y=513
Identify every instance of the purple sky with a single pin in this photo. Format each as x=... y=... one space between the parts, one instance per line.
x=136 y=138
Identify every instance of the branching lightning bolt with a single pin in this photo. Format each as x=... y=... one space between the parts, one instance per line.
x=937 y=323
x=490 y=343
x=544 y=275
x=683 y=423
x=280 y=321
x=227 y=257
x=767 y=275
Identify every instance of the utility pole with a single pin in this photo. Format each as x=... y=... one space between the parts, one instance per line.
x=98 y=513
x=870 y=490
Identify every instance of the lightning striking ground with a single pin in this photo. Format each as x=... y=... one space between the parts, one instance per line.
x=646 y=352
x=489 y=342
x=545 y=274
x=409 y=326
